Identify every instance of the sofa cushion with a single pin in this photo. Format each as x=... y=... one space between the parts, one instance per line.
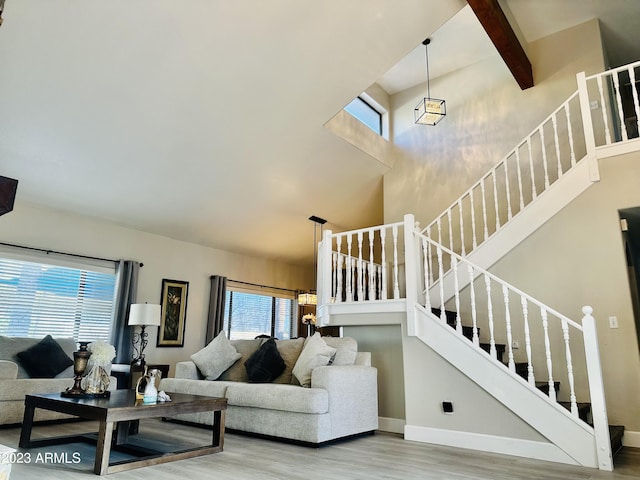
x=287 y=398
x=316 y=353
x=216 y=357
x=45 y=359
x=237 y=372
x=290 y=351
x=266 y=364
x=346 y=349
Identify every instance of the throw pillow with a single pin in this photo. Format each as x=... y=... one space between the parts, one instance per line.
x=216 y=357
x=45 y=359
x=316 y=353
x=290 y=351
x=265 y=364
x=237 y=372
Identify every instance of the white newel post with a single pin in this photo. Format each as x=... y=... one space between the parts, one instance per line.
x=589 y=136
x=411 y=272
x=323 y=280
x=596 y=390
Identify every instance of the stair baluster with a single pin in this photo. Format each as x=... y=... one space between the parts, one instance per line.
x=454 y=267
x=474 y=319
x=572 y=392
x=508 y=189
x=451 y=245
x=554 y=121
x=534 y=192
x=570 y=134
x=636 y=106
x=396 y=282
x=527 y=341
x=372 y=291
x=427 y=272
x=605 y=117
x=349 y=270
x=519 y=171
x=492 y=340
x=507 y=314
x=440 y=274
x=484 y=210
x=338 y=282
x=474 y=237
x=495 y=197
x=383 y=283
x=360 y=269
x=623 y=127
x=461 y=227
x=543 y=146
x=547 y=350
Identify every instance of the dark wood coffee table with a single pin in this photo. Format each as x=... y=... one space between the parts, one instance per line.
x=119 y=411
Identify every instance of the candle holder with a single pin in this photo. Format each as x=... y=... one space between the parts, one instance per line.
x=80 y=360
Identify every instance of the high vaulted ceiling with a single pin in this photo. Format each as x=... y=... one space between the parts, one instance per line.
x=203 y=120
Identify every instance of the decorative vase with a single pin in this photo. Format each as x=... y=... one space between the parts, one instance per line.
x=97 y=381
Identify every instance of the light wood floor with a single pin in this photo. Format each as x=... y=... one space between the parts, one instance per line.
x=381 y=456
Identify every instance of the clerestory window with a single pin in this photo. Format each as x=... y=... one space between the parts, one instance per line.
x=366 y=114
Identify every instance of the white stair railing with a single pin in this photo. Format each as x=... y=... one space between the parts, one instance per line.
x=543 y=157
x=552 y=339
x=604 y=111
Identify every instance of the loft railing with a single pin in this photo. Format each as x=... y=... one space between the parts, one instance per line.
x=363 y=264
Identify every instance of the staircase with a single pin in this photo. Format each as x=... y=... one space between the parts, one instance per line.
x=439 y=275
x=616 y=432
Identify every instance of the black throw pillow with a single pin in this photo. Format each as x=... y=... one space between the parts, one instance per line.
x=266 y=363
x=45 y=359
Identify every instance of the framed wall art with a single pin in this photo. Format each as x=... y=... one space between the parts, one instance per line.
x=173 y=301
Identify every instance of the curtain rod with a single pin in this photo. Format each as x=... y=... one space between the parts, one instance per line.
x=261 y=286
x=48 y=252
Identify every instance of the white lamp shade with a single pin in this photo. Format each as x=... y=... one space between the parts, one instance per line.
x=144 y=314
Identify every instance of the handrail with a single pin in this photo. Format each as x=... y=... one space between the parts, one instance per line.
x=482 y=271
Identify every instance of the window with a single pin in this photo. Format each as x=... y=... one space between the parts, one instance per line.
x=364 y=112
x=248 y=315
x=37 y=299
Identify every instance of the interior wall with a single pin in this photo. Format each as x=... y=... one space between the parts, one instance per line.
x=586 y=241
x=162 y=258
x=385 y=344
x=487 y=116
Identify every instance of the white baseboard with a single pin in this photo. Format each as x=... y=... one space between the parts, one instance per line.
x=488 y=443
x=631 y=439
x=392 y=425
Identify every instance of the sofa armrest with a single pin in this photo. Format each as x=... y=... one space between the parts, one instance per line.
x=8 y=370
x=353 y=397
x=363 y=358
x=188 y=370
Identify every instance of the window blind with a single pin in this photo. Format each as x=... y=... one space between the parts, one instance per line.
x=248 y=315
x=37 y=299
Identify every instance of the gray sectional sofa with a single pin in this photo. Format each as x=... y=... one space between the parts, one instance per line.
x=15 y=381
x=341 y=400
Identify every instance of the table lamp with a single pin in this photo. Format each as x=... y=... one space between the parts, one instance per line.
x=142 y=314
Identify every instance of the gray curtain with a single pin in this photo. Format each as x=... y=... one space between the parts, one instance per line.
x=217 y=297
x=127 y=285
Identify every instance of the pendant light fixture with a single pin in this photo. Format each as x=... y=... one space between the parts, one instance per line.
x=430 y=110
x=311 y=297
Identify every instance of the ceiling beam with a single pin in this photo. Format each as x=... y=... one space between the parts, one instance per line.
x=505 y=40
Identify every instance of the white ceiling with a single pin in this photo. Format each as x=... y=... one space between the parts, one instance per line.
x=462 y=40
x=203 y=121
